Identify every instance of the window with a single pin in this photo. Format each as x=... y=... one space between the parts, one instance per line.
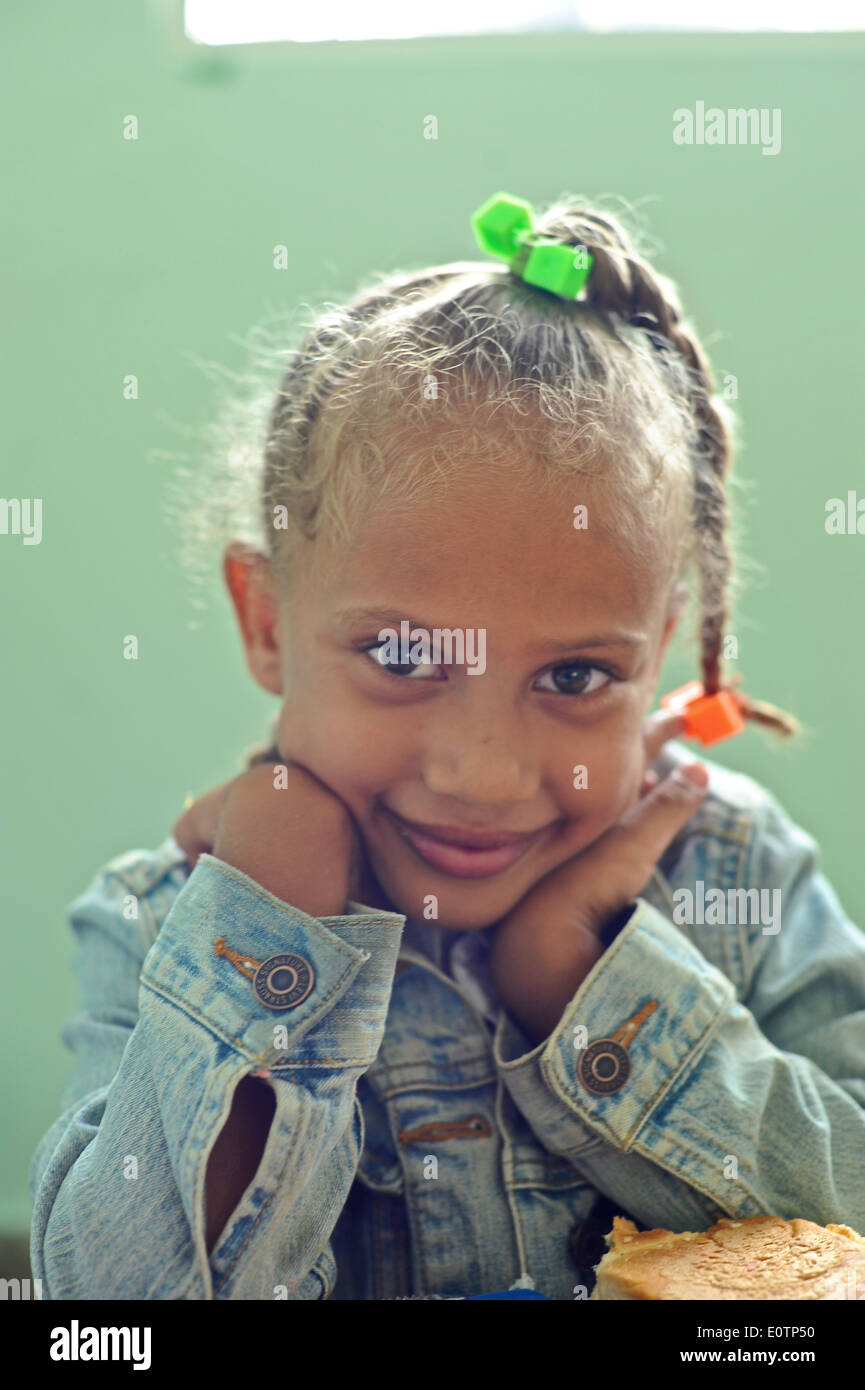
x=268 y=21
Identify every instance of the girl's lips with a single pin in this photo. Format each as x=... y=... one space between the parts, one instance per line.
x=461 y=861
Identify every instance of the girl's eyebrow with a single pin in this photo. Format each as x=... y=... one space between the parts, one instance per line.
x=368 y=615
x=348 y=616
x=622 y=639
x=378 y=617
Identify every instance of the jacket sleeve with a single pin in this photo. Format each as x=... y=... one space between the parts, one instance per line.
x=166 y=1030
x=738 y=1102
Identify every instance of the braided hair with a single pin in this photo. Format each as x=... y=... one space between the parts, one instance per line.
x=623 y=283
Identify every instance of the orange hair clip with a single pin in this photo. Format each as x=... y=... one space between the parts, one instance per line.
x=707 y=717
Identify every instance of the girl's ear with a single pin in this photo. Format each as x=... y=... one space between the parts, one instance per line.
x=250 y=583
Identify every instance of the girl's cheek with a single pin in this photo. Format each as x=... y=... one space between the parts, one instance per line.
x=613 y=769
x=612 y=789
x=353 y=771
x=628 y=783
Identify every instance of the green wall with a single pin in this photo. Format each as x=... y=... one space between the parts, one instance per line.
x=151 y=256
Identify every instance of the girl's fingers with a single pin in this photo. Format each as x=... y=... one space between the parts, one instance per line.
x=629 y=851
x=195 y=830
x=617 y=867
x=657 y=729
x=650 y=781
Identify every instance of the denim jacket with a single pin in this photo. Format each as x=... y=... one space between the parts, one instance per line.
x=420 y=1145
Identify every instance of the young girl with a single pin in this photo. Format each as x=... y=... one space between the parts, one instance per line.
x=475 y=956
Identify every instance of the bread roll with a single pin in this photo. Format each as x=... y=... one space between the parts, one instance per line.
x=762 y=1257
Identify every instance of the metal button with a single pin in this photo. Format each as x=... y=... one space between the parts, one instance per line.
x=283 y=982
x=604 y=1066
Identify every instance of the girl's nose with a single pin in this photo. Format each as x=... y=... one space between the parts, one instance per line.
x=487 y=760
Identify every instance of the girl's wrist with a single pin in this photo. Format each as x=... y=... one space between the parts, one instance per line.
x=611 y=929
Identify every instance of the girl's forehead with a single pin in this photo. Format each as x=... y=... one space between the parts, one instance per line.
x=478 y=544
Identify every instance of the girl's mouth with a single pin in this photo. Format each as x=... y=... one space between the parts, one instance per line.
x=464 y=861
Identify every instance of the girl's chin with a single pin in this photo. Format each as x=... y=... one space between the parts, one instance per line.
x=464 y=906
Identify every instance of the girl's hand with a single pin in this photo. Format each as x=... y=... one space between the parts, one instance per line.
x=195 y=830
x=546 y=946
x=298 y=840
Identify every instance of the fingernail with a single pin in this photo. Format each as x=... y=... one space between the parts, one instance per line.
x=695 y=777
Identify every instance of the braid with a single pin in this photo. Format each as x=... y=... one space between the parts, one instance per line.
x=624 y=284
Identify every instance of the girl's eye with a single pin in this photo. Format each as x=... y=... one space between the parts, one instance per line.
x=423 y=670
x=578 y=678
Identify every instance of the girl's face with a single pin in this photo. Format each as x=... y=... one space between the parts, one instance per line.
x=543 y=740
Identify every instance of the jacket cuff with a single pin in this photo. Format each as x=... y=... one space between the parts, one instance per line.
x=352 y=958
x=650 y=960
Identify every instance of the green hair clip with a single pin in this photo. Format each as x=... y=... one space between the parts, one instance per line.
x=504 y=227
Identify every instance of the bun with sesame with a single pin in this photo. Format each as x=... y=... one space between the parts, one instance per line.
x=762 y=1257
